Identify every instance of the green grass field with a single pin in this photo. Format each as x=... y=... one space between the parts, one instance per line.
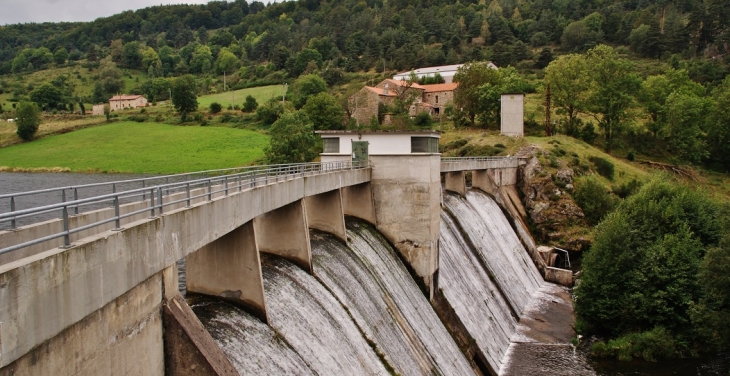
x=138 y=148
x=262 y=94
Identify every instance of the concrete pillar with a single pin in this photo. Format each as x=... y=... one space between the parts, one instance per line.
x=124 y=337
x=482 y=179
x=456 y=182
x=407 y=199
x=284 y=232
x=189 y=348
x=230 y=268
x=325 y=213
x=357 y=201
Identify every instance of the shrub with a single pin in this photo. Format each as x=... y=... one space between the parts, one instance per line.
x=215 y=108
x=423 y=120
x=631 y=156
x=651 y=345
x=603 y=167
x=588 y=133
x=454 y=145
x=593 y=198
x=270 y=112
x=626 y=189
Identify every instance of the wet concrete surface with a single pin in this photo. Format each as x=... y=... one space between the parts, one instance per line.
x=541 y=345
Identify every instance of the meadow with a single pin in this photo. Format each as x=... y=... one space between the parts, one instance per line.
x=137 y=148
x=261 y=93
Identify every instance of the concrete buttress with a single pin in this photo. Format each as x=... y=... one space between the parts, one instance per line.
x=357 y=201
x=407 y=199
x=456 y=182
x=230 y=268
x=284 y=232
x=325 y=213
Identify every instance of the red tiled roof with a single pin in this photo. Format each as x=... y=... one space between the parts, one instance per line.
x=390 y=93
x=440 y=87
x=124 y=97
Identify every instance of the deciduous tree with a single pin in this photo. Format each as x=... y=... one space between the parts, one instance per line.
x=292 y=139
x=184 y=95
x=29 y=118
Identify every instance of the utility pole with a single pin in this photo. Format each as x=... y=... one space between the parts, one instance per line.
x=283 y=93
x=548 y=131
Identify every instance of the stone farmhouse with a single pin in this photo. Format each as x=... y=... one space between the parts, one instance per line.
x=120 y=102
x=364 y=105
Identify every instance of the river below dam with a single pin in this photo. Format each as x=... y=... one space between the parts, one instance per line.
x=362 y=313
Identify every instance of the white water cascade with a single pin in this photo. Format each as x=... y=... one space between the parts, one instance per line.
x=485 y=272
x=362 y=313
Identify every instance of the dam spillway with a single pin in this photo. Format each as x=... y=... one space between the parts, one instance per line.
x=363 y=313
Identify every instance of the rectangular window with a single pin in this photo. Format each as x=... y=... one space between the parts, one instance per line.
x=424 y=145
x=331 y=145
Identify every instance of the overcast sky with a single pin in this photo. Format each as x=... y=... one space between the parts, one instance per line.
x=22 y=11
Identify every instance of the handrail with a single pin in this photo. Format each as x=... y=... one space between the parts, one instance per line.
x=236 y=180
x=465 y=159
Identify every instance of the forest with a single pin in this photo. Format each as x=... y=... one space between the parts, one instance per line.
x=637 y=76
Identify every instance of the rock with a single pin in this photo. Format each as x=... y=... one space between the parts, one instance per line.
x=565 y=175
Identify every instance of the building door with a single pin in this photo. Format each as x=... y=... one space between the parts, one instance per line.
x=360 y=151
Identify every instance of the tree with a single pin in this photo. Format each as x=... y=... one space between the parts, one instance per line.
x=109 y=83
x=184 y=97
x=47 y=96
x=324 y=112
x=306 y=86
x=718 y=134
x=614 y=85
x=29 y=118
x=131 y=58
x=250 y=104
x=641 y=272
x=686 y=114
x=569 y=84
x=269 y=112
x=593 y=198
x=470 y=77
x=60 y=56
x=227 y=62
x=215 y=108
x=292 y=140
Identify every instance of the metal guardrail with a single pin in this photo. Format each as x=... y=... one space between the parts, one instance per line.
x=224 y=181
x=497 y=161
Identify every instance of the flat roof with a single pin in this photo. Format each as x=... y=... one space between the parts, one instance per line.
x=376 y=132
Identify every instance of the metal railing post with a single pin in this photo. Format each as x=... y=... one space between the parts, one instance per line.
x=187 y=189
x=13 y=225
x=117 y=225
x=152 y=202
x=225 y=185
x=210 y=188
x=66 y=235
x=143 y=193
x=159 y=199
x=76 y=197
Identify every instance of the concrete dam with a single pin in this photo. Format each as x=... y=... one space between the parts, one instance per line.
x=338 y=268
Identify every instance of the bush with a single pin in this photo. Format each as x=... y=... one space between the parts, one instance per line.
x=270 y=112
x=588 y=133
x=650 y=345
x=603 y=167
x=453 y=145
x=626 y=189
x=423 y=120
x=593 y=198
x=215 y=108
x=630 y=156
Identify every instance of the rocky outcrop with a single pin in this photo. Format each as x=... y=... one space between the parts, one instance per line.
x=554 y=217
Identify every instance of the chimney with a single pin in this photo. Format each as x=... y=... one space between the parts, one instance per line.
x=385 y=89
